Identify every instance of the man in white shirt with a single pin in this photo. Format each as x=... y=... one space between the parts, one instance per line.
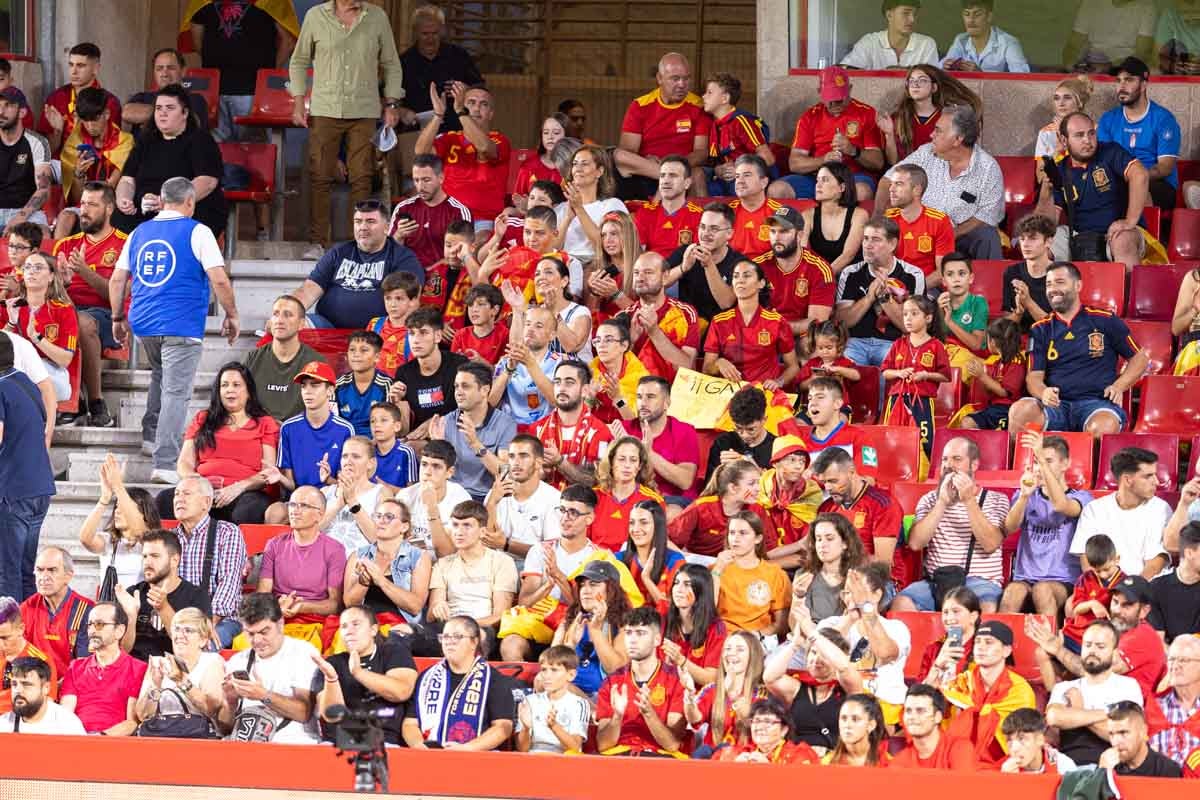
x=1132 y=516
x=433 y=497
x=1079 y=708
x=522 y=508
x=897 y=46
x=32 y=709
x=275 y=674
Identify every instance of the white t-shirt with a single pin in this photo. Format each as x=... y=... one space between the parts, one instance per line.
x=57 y=720
x=566 y=315
x=576 y=242
x=1137 y=532
x=26 y=359
x=1114 y=30
x=291 y=668
x=411 y=497
x=1099 y=696
x=531 y=521
x=570 y=711
x=888 y=683
x=344 y=527
x=535 y=562
x=872 y=51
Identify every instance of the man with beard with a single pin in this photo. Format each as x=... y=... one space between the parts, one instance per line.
x=1079 y=708
x=874 y=513
x=1130 y=753
x=477 y=431
x=26 y=177
x=664 y=332
x=802 y=284
x=574 y=439
x=670 y=221
x=276 y=364
x=1107 y=189
x=33 y=711
x=85 y=261
x=673 y=445
x=420 y=222
x=1073 y=381
x=522 y=508
x=1145 y=129
x=154 y=601
x=103 y=688
x=704 y=268
x=522 y=384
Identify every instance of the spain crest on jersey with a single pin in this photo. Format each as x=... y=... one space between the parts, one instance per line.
x=802 y=287
x=924 y=243
x=852 y=128
x=764 y=339
x=685 y=236
x=927 y=359
x=1095 y=344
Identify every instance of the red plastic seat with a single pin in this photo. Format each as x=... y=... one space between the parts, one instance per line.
x=1153 y=289
x=257 y=158
x=1193 y=458
x=863 y=396
x=989 y=282
x=272 y=104
x=1165 y=445
x=1156 y=339
x=900 y=453
x=948 y=400
x=1103 y=285
x=1082 y=446
x=1169 y=404
x=909 y=493
x=515 y=159
x=1152 y=217
x=1019 y=178
x=1185 y=234
x=205 y=82
x=993 y=447
x=257 y=536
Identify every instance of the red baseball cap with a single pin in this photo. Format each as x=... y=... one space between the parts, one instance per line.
x=835 y=84
x=316 y=369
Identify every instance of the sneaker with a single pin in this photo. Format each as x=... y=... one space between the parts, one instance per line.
x=68 y=418
x=313 y=253
x=147 y=448
x=169 y=476
x=100 y=418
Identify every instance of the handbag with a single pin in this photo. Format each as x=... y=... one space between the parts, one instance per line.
x=179 y=725
x=257 y=723
x=944 y=580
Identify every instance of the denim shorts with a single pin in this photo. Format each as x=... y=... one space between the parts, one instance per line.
x=1073 y=415
x=921 y=592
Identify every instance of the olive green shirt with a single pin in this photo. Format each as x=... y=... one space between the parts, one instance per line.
x=347 y=64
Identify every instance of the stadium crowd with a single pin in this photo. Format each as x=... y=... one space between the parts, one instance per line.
x=498 y=520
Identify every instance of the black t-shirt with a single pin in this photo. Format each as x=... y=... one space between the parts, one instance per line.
x=1176 y=609
x=239 y=40
x=693 y=286
x=394 y=653
x=816 y=724
x=152 y=638
x=731 y=441
x=854 y=283
x=430 y=394
x=1156 y=765
x=1081 y=745
x=190 y=155
x=452 y=63
x=17 y=161
x=197 y=102
x=498 y=704
x=1037 y=292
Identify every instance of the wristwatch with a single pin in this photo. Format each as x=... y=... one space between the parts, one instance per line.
x=480 y=451
x=354 y=509
x=620 y=403
x=867 y=608
x=266 y=701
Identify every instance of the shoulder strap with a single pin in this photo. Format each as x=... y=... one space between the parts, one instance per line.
x=210 y=548
x=32 y=395
x=970 y=547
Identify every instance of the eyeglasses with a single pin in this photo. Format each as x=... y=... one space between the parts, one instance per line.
x=1182 y=660
x=570 y=513
x=34 y=269
x=605 y=341
x=92 y=624
x=918 y=82
x=713 y=228
x=384 y=517
x=294 y=505
x=764 y=722
x=185 y=630
x=453 y=638
x=15 y=246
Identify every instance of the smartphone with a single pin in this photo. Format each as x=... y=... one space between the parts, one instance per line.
x=954 y=636
x=612 y=271
x=85 y=148
x=240 y=674
x=179 y=663
x=405 y=217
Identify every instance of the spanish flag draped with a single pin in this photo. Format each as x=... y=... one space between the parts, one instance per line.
x=114 y=149
x=980 y=709
x=790 y=509
x=282 y=11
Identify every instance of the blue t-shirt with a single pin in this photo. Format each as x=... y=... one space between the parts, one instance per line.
x=497 y=430
x=170 y=285
x=301 y=447
x=351 y=279
x=1044 y=549
x=1099 y=191
x=1153 y=136
x=1079 y=358
x=25 y=470
x=398 y=467
x=521 y=396
x=355 y=406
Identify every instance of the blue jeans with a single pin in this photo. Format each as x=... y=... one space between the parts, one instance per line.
x=228 y=628
x=921 y=592
x=870 y=353
x=228 y=107
x=20 y=528
x=173 y=362
x=317 y=321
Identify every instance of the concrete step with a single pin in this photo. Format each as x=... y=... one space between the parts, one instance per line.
x=132 y=409
x=257 y=283
x=277 y=251
x=122 y=384
x=85 y=466
x=79 y=437
x=217 y=350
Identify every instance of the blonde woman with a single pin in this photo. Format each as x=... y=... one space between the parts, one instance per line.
x=187 y=681
x=44 y=314
x=724 y=705
x=1070 y=95
x=612 y=270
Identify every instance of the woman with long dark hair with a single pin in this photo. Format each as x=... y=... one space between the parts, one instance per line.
x=648 y=555
x=229 y=444
x=592 y=625
x=860 y=733
x=734 y=345
x=542 y=168
x=927 y=90
x=834 y=228
x=694 y=634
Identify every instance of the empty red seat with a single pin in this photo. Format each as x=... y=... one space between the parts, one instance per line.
x=989 y=283
x=205 y=82
x=1019 y=178
x=948 y=400
x=1169 y=404
x=1103 y=285
x=1156 y=339
x=258 y=159
x=1153 y=289
x=863 y=396
x=1165 y=445
x=899 y=453
x=272 y=104
x=1152 y=217
x=1193 y=457
x=993 y=447
x=909 y=493
x=1082 y=446
x=1185 y=234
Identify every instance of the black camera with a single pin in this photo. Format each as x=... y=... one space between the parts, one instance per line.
x=360 y=734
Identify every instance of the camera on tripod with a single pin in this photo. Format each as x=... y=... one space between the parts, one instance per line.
x=360 y=734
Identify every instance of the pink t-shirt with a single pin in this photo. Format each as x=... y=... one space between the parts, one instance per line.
x=307 y=570
x=678 y=444
x=103 y=693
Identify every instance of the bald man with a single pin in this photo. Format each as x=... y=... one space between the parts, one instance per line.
x=304 y=567
x=669 y=121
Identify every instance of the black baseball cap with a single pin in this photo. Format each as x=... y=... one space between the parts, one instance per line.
x=1134 y=66
x=1135 y=588
x=598 y=570
x=11 y=95
x=787 y=217
x=997 y=630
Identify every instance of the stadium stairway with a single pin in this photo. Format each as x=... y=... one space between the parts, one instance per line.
x=77 y=451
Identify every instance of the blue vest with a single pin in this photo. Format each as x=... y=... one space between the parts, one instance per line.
x=170 y=286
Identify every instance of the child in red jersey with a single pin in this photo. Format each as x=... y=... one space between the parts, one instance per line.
x=827 y=343
x=447 y=281
x=485 y=338
x=401 y=296
x=997 y=382
x=1093 y=590
x=518 y=264
x=914 y=367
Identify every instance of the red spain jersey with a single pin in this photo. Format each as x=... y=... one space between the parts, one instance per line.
x=30 y=650
x=519 y=266
x=428 y=242
x=438 y=292
x=1009 y=374
x=534 y=170
x=702 y=526
x=854 y=440
x=816 y=128
x=927 y=357
x=514 y=233
x=756 y=347
x=707 y=655
x=665 y=233
x=809 y=368
x=1088 y=586
x=679 y=322
x=666 y=698
x=583 y=444
x=923 y=241
x=54 y=320
x=922 y=132
x=479 y=183
x=738 y=133
x=99 y=256
x=489 y=348
x=56 y=633
x=63 y=100
x=874 y=514
x=611 y=527
x=809 y=283
x=395 y=345
x=751 y=233
x=666 y=130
